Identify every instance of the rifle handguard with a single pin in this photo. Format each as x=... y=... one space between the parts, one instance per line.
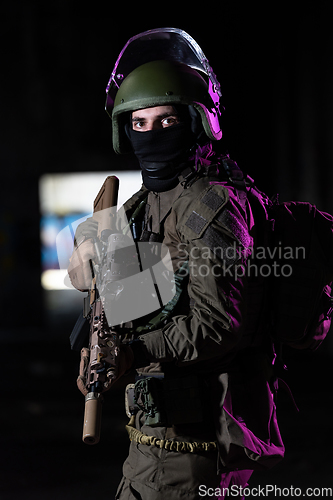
x=92 y=418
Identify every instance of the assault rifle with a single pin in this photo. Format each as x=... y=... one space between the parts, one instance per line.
x=101 y=359
x=114 y=302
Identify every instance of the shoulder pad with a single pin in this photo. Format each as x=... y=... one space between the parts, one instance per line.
x=198 y=206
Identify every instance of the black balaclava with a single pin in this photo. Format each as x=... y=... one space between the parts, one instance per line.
x=163 y=153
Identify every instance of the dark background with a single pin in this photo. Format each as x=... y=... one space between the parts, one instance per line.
x=276 y=73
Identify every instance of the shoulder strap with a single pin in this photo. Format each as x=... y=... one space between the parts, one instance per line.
x=229 y=169
x=233 y=172
x=133 y=202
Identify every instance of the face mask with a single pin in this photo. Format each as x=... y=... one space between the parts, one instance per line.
x=162 y=154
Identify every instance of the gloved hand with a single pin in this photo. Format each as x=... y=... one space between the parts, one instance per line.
x=125 y=363
x=79 y=269
x=85 y=230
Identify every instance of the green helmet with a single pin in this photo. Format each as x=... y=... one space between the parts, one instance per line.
x=178 y=75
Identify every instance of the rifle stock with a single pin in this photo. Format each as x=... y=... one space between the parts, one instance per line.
x=103 y=344
x=106 y=199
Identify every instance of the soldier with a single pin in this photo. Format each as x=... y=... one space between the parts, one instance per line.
x=209 y=418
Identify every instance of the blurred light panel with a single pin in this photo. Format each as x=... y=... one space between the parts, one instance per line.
x=64 y=199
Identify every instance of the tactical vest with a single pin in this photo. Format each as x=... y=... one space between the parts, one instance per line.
x=196 y=209
x=292 y=300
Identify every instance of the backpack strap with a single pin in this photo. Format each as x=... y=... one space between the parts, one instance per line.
x=236 y=177
x=233 y=172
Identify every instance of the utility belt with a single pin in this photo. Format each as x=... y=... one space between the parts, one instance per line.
x=167 y=401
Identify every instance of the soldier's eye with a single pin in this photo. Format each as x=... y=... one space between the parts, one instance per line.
x=169 y=121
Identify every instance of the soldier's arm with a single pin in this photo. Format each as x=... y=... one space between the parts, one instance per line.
x=215 y=322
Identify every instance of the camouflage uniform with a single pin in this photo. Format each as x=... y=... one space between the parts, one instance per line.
x=212 y=340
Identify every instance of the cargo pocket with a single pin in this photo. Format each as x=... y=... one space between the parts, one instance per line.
x=126 y=491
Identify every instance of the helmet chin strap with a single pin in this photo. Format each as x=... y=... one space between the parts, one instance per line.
x=196 y=125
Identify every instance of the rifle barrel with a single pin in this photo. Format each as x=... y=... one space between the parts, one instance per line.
x=92 y=418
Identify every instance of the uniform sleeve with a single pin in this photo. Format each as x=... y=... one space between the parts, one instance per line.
x=217 y=288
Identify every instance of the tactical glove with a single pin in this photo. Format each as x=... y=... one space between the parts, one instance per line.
x=79 y=269
x=85 y=230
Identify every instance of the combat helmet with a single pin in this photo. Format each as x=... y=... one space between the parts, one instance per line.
x=161 y=67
